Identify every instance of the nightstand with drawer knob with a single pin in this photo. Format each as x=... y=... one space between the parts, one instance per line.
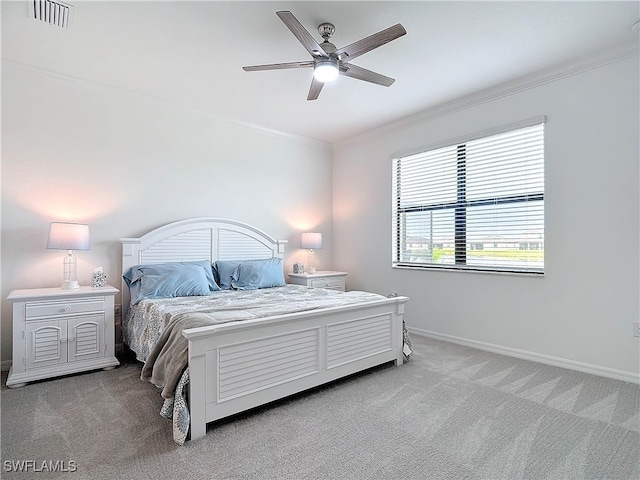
x=321 y=279
x=58 y=332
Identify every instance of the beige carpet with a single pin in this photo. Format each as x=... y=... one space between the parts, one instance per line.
x=451 y=413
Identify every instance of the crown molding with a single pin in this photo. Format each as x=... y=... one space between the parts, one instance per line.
x=102 y=89
x=506 y=89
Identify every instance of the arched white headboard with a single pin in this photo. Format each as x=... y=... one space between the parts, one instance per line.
x=197 y=239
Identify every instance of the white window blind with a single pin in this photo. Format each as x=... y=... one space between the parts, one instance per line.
x=473 y=205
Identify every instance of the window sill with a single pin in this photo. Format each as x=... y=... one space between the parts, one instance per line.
x=468 y=270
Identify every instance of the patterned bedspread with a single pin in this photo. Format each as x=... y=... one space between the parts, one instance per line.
x=147 y=320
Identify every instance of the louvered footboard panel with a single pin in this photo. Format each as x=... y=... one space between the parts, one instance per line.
x=255 y=365
x=356 y=339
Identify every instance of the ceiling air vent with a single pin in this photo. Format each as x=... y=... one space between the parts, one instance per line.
x=52 y=12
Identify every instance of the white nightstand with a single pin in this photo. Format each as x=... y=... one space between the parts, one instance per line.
x=320 y=279
x=58 y=332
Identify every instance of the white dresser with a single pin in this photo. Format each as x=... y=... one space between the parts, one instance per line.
x=321 y=279
x=58 y=332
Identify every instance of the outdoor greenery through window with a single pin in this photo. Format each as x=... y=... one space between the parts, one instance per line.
x=474 y=205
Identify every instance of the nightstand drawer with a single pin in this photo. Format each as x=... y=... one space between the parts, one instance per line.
x=332 y=283
x=53 y=308
x=325 y=279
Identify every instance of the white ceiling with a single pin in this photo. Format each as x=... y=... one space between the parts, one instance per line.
x=192 y=53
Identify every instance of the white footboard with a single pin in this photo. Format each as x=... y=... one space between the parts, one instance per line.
x=237 y=366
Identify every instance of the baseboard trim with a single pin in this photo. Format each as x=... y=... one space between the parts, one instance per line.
x=535 y=357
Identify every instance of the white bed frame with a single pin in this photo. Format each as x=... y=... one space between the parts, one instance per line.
x=240 y=365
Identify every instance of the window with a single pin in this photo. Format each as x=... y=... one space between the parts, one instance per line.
x=477 y=204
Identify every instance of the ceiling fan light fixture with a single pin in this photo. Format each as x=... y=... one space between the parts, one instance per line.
x=325 y=71
x=328 y=62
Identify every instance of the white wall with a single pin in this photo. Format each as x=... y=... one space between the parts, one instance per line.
x=125 y=164
x=580 y=313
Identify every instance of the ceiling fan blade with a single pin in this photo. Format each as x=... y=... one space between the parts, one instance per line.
x=302 y=34
x=278 y=66
x=360 y=73
x=348 y=53
x=314 y=91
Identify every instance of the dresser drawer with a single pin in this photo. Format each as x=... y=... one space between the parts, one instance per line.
x=332 y=283
x=36 y=310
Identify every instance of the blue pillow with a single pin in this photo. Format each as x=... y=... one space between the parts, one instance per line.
x=258 y=274
x=183 y=281
x=224 y=271
x=177 y=279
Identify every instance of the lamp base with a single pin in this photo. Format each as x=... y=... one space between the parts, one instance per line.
x=311 y=267
x=70 y=285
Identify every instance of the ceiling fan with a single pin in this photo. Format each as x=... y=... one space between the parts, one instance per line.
x=328 y=61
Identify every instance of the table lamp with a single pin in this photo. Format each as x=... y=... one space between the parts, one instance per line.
x=311 y=241
x=69 y=236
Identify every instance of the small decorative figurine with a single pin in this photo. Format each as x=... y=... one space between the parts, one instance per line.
x=99 y=278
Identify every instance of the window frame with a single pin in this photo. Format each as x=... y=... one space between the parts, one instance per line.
x=462 y=204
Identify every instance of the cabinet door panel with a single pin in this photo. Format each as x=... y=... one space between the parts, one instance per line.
x=46 y=343
x=86 y=338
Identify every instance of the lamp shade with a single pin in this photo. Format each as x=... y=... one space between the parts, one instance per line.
x=68 y=236
x=311 y=240
x=325 y=71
